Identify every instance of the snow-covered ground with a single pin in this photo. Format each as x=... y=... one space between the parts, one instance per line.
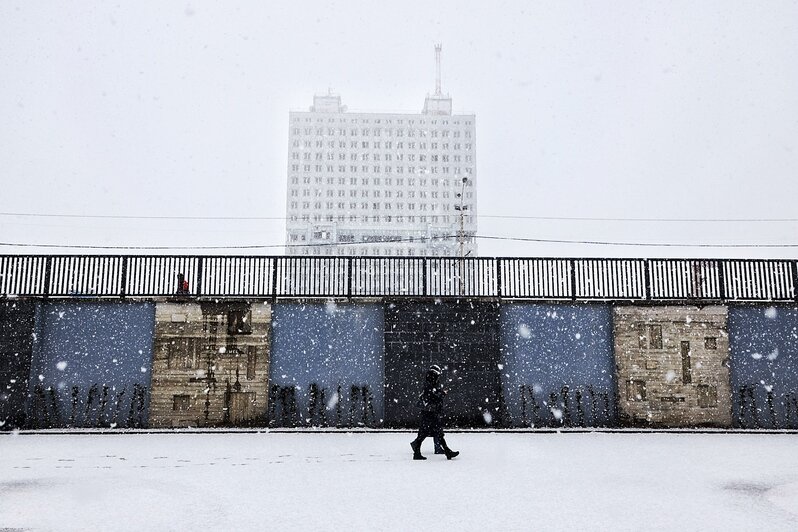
x=301 y=481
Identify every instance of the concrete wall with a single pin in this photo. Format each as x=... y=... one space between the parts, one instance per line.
x=91 y=364
x=558 y=367
x=176 y=364
x=327 y=365
x=673 y=365
x=16 y=350
x=461 y=336
x=210 y=364
x=764 y=366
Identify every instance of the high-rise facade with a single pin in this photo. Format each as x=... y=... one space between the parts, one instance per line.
x=389 y=184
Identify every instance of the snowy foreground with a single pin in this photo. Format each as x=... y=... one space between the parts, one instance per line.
x=299 y=481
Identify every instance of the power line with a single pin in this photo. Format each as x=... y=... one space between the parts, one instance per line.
x=409 y=239
x=598 y=219
x=493 y=216
x=635 y=244
x=246 y=246
x=137 y=217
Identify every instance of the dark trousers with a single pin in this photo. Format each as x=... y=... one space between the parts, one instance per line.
x=430 y=425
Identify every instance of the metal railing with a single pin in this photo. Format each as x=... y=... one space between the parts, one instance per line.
x=67 y=276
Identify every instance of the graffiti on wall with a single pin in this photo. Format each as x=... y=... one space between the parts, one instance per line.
x=327 y=365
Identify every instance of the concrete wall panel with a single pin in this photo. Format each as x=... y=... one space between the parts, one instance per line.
x=558 y=367
x=91 y=364
x=764 y=366
x=210 y=364
x=673 y=365
x=327 y=365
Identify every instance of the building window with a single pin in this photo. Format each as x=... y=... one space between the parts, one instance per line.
x=636 y=390
x=687 y=370
x=238 y=322
x=710 y=342
x=650 y=336
x=252 y=360
x=181 y=403
x=707 y=396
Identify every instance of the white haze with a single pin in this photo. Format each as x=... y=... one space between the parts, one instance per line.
x=621 y=109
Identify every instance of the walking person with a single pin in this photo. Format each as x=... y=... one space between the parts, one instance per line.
x=431 y=404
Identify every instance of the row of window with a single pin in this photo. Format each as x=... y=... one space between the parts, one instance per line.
x=365 y=205
x=367 y=132
x=399 y=250
x=419 y=170
x=707 y=393
x=365 y=193
x=378 y=181
x=650 y=336
x=388 y=157
x=399 y=121
x=378 y=218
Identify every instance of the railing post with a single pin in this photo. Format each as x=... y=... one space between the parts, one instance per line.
x=499 y=278
x=123 y=278
x=200 y=264
x=647 y=279
x=573 y=279
x=721 y=280
x=794 y=266
x=48 y=265
x=424 y=276
x=349 y=264
x=274 y=279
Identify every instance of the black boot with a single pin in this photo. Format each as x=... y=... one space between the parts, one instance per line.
x=416 y=446
x=448 y=452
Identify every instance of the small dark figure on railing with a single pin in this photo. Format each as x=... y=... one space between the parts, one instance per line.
x=182 y=285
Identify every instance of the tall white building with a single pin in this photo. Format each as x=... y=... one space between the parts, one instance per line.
x=389 y=184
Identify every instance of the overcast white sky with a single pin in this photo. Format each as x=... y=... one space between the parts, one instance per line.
x=621 y=109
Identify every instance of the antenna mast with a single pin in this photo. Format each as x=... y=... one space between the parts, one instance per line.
x=438 y=69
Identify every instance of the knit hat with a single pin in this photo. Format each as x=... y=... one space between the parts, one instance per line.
x=436 y=369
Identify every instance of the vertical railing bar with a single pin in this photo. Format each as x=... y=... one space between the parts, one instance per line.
x=123 y=277
x=572 y=264
x=47 y=272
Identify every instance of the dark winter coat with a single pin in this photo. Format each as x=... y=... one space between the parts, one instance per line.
x=431 y=403
x=431 y=399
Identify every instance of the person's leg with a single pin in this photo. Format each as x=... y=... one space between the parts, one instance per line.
x=423 y=430
x=416 y=446
x=438 y=447
x=448 y=452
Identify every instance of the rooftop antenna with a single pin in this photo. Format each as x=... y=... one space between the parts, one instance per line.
x=438 y=69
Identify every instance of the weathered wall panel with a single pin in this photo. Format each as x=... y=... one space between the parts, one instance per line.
x=210 y=364
x=673 y=365
x=558 y=367
x=463 y=337
x=764 y=366
x=16 y=349
x=91 y=364
x=327 y=365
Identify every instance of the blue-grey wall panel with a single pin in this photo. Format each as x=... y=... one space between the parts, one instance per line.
x=547 y=348
x=763 y=345
x=91 y=364
x=318 y=348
